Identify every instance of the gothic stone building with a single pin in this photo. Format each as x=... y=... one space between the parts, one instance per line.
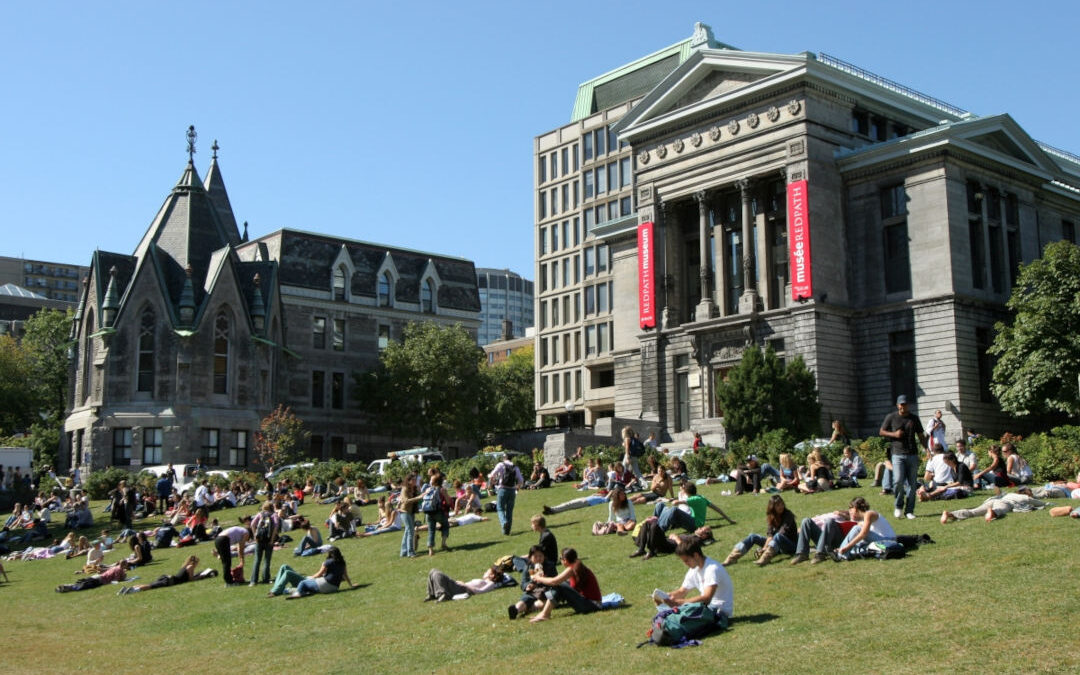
x=797 y=201
x=185 y=345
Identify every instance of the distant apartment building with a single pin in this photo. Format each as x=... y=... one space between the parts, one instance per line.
x=504 y=296
x=55 y=281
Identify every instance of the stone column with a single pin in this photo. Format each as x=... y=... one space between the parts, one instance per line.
x=705 y=306
x=749 y=299
x=988 y=263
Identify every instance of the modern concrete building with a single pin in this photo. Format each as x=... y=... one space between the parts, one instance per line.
x=792 y=200
x=504 y=296
x=183 y=346
x=55 y=281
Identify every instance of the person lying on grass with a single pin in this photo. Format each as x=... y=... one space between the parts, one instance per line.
x=576 y=586
x=686 y=512
x=652 y=540
x=327 y=580
x=117 y=572
x=706 y=582
x=441 y=587
x=996 y=507
x=185 y=574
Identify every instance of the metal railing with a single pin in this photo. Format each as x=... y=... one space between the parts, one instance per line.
x=885 y=82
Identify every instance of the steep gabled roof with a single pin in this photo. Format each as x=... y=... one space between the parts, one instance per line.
x=215 y=188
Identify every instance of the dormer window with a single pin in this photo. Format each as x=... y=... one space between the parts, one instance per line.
x=427 y=296
x=339 y=282
x=386 y=286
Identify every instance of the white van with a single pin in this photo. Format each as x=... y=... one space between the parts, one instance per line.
x=412 y=456
x=185 y=475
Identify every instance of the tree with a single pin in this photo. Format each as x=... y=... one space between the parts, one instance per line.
x=280 y=438
x=1038 y=354
x=510 y=396
x=427 y=386
x=761 y=394
x=16 y=408
x=46 y=344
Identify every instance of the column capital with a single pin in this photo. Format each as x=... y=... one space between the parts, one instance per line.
x=702 y=199
x=783 y=173
x=744 y=188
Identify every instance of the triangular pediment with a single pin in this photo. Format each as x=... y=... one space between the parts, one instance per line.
x=707 y=77
x=999 y=141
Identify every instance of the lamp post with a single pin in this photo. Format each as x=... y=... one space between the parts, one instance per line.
x=570 y=415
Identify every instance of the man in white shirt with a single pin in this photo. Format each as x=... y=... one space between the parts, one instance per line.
x=938 y=472
x=935 y=432
x=706 y=581
x=202 y=495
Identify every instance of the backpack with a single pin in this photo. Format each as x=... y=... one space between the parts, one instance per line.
x=509 y=476
x=431 y=503
x=637 y=448
x=265 y=529
x=692 y=620
x=887 y=549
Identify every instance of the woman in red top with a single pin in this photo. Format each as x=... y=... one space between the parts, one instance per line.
x=576 y=585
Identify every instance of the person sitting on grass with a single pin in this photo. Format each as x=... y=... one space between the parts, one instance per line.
x=781 y=535
x=995 y=473
x=82 y=545
x=565 y=471
x=593 y=476
x=547 y=543
x=1016 y=467
x=576 y=586
x=852 y=467
x=686 y=512
x=818 y=475
x=961 y=486
x=996 y=507
x=870 y=526
x=312 y=540
x=185 y=574
x=706 y=578
x=441 y=587
x=327 y=580
x=533 y=596
x=789 y=473
x=747 y=476
x=117 y=572
x=661 y=486
x=651 y=540
x=140 y=550
x=621 y=512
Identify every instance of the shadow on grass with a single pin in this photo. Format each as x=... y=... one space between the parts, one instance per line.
x=358 y=587
x=473 y=546
x=752 y=618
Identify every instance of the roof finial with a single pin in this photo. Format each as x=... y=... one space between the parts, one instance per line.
x=191 y=138
x=215 y=148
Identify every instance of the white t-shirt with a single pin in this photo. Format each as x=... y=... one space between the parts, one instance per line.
x=968 y=457
x=712 y=574
x=943 y=473
x=202 y=496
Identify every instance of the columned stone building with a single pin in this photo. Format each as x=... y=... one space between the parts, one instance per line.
x=799 y=201
x=183 y=346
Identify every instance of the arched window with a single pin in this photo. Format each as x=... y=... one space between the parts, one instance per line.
x=427 y=296
x=221 y=354
x=339 y=282
x=386 y=285
x=145 y=366
x=88 y=356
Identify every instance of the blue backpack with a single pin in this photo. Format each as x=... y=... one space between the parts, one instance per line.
x=687 y=622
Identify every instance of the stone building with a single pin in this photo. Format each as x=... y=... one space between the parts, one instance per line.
x=802 y=202
x=183 y=346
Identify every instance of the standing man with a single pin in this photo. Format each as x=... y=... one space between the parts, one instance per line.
x=936 y=434
x=265 y=525
x=505 y=478
x=906 y=433
x=164 y=489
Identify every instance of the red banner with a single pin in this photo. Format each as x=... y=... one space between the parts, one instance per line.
x=798 y=213
x=646 y=276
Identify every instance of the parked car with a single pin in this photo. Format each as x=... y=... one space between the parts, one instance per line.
x=274 y=473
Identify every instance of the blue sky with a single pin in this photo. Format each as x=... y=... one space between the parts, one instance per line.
x=411 y=123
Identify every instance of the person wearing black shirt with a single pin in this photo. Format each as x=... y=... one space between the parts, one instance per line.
x=907 y=436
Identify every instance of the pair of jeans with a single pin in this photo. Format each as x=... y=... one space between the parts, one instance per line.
x=522 y=565
x=263 y=551
x=827 y=538
x=504 y=504
x=408 y=544
x=439 y=517
x=224 y=549
x=286 y=576
x=770 y=470
x=905 y=469
x=308 y=543
x=672 y=516
x=563 y=593
x=631 y=462
x=779 y=543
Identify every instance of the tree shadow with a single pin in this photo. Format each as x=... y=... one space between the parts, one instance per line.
x=473 y=546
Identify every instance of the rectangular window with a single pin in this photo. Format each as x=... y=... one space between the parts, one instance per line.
x=554 y=238
x=626 y=174
x=337 y=391
x=211 y=446
x=577 y=384
x=590 y=261
x=566 y=272
x=588 y=218
x=577 y=347
x=893 y=202
x=543 y=205
x=599 y=137
x=902 y=363
x=152 y=446
x=318 y=388
x=566 y=309
x=543 y=352
x=577 y=228
x=590 y=341
x=590 y=300
x=575 y=153
x=613 y=176
x=612 y=140
x=543 y=314
x=554 y=274
x=601 y=299
x=1068 y=231
x=318 y=332
x=238 y=453
x=566 y=385
x=566 y=233
x=384 y=336
x=577 y=195
x=543 y=389
x=613 y=210
x=122 y=446
x=1012 y=237
x=589 y=188
x=577 y=307
x=897 y=261
x=554 y=312
x=565 y=161
x=602 y=332
x=337 y=443
x=577 y=268
x=554 y=201
x=541 y=242
x=315 y=448
x=566 y=197
x=985 y=363
x=625 y=206
x=601 y=214
x=554 y=166
x=541 y=169
x=339 y=335
x=602 y=258
x=978 y=252
x=587 y=147
x=601 y=181
x=543 y=278
x=555 y=350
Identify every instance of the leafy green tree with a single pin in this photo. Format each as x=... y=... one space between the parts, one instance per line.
x=427 y=386
x=1038 y=353
x=510 y=395
x=280 y=438
x=761 y=394
x=45 y=344
x=16 y=408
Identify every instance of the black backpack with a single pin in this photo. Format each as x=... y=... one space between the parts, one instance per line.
x=509 y=476
x=637 y=448
x=265 y=529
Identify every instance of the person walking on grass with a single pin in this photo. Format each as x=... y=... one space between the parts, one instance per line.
x=906 y=433
x=506 y=478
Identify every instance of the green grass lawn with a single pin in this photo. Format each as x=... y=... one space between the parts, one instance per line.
x=986 y=597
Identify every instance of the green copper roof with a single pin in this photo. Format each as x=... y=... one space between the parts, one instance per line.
x=639 y=77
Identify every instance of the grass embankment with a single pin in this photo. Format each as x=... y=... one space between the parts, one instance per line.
x=997 y=596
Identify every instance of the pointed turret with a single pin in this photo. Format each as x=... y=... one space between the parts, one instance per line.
x=215 y=188
x=187 y=301
x=111 y=306
x=258 y=307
